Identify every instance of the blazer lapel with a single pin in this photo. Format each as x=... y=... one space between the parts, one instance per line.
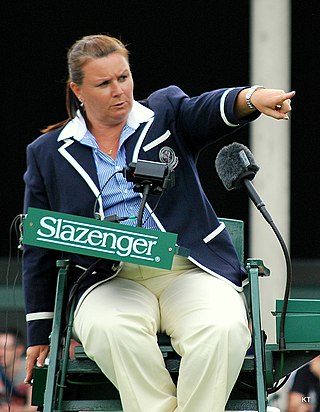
x=80 y=157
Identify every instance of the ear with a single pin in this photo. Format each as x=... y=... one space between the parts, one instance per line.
x=76 y=90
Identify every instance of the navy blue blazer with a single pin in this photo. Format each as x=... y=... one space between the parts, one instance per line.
x=61 y=176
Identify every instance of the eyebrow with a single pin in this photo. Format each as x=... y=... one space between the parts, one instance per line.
x=106 y=79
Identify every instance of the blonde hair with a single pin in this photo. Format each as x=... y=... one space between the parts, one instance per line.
x=85 y=49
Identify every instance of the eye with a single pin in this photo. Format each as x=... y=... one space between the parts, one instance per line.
x=104 y=83
x=123 y=78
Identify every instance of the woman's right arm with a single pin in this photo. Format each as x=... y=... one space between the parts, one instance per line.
x=39 y=273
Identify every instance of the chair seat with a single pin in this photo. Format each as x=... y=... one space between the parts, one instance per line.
x=85 y=365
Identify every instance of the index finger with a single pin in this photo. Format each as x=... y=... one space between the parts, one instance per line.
x=286 y=96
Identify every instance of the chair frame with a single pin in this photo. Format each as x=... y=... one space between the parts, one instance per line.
x=56 y=386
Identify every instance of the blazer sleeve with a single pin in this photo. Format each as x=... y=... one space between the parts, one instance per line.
x=203 y=119
x=39 y=264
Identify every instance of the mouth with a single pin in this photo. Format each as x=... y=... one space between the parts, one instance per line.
x=119 y=104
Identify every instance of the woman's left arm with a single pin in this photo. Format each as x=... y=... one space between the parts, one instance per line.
x=272 y=102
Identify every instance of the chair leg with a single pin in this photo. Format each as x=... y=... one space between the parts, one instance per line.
x=55 y=340
x=258 y=339
x=65 y=359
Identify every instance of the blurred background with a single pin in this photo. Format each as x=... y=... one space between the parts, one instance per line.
x=197 y=45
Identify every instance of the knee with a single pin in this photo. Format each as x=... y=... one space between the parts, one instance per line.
x=115 y=329
x=231 y=326
x=231 y=334
x=233 y=329
x=234 y=336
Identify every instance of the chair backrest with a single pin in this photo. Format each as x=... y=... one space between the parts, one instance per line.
x=236 y=231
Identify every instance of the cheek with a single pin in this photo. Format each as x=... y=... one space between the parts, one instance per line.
x=127 y=88
x=99 y=99
x=129 y=93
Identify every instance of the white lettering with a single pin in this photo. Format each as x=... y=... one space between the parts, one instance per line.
x=83 y=231
x=45 y=225
x=142 y=246
x=94 y=234
x=151 y=243
x=104 y=240
x=67 y=233
x=140 y=243
x=124 y=244
x=57 y=235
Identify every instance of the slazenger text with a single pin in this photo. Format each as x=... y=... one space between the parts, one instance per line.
x=119 y=242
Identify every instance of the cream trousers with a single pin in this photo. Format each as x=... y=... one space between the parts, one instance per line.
x=205 y=317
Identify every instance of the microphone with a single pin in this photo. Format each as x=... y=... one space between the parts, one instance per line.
x=236 y=167
x=234 y=163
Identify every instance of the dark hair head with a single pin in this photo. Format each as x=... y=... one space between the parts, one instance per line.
x=83 y=50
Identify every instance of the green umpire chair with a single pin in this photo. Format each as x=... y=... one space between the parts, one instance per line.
x=77 y=384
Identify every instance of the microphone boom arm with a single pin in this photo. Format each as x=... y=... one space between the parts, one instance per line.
x=259 y=203
x=254 y=196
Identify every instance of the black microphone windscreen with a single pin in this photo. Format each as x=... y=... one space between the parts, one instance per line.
x=234 y=163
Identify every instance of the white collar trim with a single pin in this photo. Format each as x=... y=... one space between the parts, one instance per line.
x=77 y=127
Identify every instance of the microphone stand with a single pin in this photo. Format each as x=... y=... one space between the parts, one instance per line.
x=262 y=208
x=148 y=177
x=146 y=190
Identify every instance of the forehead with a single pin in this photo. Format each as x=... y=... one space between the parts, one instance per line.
x=112 y=64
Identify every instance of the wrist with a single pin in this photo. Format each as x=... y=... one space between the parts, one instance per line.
x=249 y=94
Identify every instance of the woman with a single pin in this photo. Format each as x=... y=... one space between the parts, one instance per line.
x=198 y=303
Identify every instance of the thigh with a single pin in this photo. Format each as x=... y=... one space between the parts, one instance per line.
x=197 y=298
x=114 y=301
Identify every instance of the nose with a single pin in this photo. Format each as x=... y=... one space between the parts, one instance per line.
x=116 y=88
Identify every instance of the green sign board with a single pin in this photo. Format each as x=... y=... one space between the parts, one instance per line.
x=88 y=236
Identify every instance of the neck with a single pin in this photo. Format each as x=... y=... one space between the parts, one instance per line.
x=108 y=138
x=102 y=129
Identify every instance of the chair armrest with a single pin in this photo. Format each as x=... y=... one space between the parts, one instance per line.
x=252 y=263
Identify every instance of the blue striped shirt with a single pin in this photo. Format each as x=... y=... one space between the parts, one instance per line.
x=118 y=196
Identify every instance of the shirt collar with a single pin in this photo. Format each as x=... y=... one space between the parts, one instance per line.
x=77 y=127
